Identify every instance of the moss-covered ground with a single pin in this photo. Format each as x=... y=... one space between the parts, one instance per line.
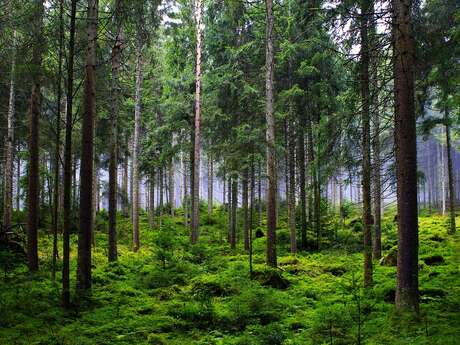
x=173 y=293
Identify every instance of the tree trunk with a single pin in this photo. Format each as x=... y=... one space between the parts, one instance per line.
x=86 y=165
x=450 y=175
x=33 y=169
x=259 y=194
x=292 y=185
x=8 y=169
x=234 y=213
x=366 y=142
x=18 y=181
x=407 y=295
x=245 y=205
x=172 y=202
x=196 y=161
x=68 y=162
x=377 y=193
x=229 y=187
x=210 y=184
x=270 y=135
x=302 y=195
x=152 y=200
x=113 y=142
x=124 y=186
x=57 y=143
x=137 y=127
x=251 y=213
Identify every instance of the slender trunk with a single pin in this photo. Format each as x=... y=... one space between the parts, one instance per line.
x=185 y=199
x=161 y=195
x=366 y=142
x=137 y=127
x=245 y=202
x=270 y=135
x=229 y=187
x=210 y=184
x=18 y=181
x=259 y=194
x=407 y=293
x=86 y=165
x=58 y=142
x=33 y=170
x=196 y=162
x=450 y=175
x=152 y=200
x=234 y=213
x=8 y=176
x=172 y=202
x=68 y=162
x=124 y=186
x=443 y=180
x=292 y=185
x=113 y=142
x=377 y=193
x=251 y=214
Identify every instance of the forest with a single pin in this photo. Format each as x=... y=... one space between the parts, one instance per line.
x=238 y=172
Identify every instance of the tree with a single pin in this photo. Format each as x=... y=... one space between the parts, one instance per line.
x=407 y=294
x=113 y=146
x=270 y=136
x=33 y=169
x=365 y=113
x=68 y=161
x=197 y=124
x=86 y=167
x=137 y=126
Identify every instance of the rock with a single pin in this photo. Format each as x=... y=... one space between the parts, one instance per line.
x=434 y=260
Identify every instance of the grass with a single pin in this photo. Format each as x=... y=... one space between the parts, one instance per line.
x=173 y=293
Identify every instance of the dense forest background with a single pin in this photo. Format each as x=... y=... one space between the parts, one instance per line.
x=229 y=172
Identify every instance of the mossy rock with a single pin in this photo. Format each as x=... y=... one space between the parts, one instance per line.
x=433 y=260
x=272 y=278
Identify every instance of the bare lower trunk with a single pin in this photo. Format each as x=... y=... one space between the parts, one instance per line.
x=172 y=202
x=68 y=163
x=270 y=135
x=8 y=171
x=245 y=202
x=196 y=161
x=234 y=213
x=210 y=184
x=152 y=200
x=366 y=143
x=33 y=169
x=113 y=142
x=407 y=295
x=450 y=175
x=292 y=185
x=86 y=166
x=124 y=186
x=57 y=143
x=137 y=127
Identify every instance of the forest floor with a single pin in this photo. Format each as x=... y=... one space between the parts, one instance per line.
x=173 y=293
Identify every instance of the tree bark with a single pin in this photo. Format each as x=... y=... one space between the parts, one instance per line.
x=292 y=186
x=210 y=184
x=8 y=169
x=57 y=152
x=450 y=175
x=33 y=169
x=407 y=293
x=68 y=162
x=196 y=161
x=86 y=165
x=234 y=213
x=302 y=195
x=171 y=186
x=245 y=202
x=152 y=200
x=113 y=142
x=137 y=127
x=366 y=142
x=270 y=135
